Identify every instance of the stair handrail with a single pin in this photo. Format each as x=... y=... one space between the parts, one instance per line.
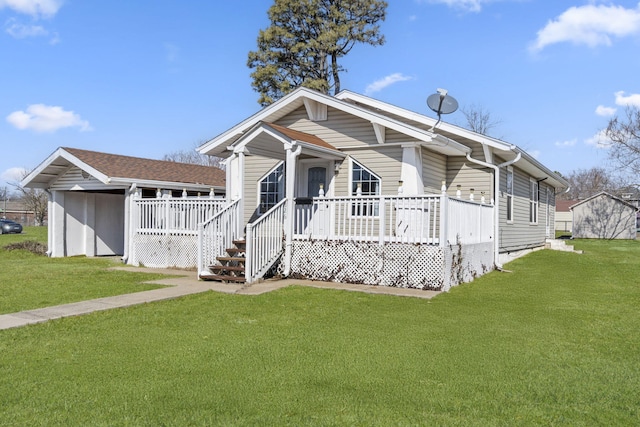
x=264 y=241
x=215 y=234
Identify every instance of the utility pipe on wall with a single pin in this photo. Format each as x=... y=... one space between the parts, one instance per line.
x=496 y=192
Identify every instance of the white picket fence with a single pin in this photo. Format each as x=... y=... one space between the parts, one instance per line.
x=173 y=215
x=265 y=241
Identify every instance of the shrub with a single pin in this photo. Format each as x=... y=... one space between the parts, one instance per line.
x=28 y=245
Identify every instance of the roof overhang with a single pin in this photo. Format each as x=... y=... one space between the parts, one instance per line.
x=307 y=97
x=266 y=140
x=61 y=161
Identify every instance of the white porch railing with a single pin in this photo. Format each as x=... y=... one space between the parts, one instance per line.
x=264 y=242
x=217 y=234
x=423 y=219
x=173 y=215
x=469 y=222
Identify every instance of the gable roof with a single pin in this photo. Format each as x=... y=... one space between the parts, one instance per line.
x=115 y=169
x=314 y=102
x=604 y=193
x=446 y=138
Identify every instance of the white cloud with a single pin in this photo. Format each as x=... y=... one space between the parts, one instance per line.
x=21 y=31
x=569 y=143
x=465 y=5
x=632 y=100
x=34 y=8
x=45 y=118
x=599 y=140
x=13 y=174
x=603 y=111
x=382 y=83
x=591 y=25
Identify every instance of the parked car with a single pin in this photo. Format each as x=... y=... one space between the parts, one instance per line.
x=7 y=226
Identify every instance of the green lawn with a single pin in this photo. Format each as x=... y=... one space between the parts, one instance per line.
x=556 y=342
x=29 y=281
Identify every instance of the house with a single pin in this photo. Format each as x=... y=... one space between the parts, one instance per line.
x=367 y=192
x=15 y=210
x=564 y=217
x=604 y=216
x=93 y=198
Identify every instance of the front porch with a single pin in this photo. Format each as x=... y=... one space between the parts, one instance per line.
x=424 y=242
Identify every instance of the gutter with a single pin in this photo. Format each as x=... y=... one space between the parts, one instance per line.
x=496 y=202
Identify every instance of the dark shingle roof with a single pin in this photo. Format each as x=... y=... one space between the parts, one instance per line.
x=301 y=136
x=136 y=168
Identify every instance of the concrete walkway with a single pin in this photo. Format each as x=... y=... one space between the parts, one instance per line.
x=185 y=283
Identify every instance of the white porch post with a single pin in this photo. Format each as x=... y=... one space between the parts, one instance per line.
x=444 y=223
x=411 y=173
x=239 y=192
x=56 y=223
x=292 y=156
x=127 y=221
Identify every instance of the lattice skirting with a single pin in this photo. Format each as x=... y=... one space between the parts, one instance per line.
x=397 y=265
x=165 y=251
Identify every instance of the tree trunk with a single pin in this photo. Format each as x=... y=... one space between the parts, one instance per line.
x=336 y=74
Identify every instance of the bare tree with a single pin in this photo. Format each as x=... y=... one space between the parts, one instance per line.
x=479 y=119
x=585 y=183
x=193 y=157
x=623 y=137
x=34 y=200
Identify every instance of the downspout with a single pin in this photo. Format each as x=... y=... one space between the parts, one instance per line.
x=292 y=156
x=496 y=203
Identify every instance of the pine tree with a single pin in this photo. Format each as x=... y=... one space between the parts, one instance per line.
x=306 y=39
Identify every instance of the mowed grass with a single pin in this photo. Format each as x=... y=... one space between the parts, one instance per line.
x=29 y=281
x=555 y=342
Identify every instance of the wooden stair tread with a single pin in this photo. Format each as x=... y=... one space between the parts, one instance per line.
x=231 y=258
x=226 y=267
x=223 y=278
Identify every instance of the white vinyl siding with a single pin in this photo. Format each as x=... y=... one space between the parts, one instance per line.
x=434 y=171
x=521 y=233
x=256 y=168
x=469 y=175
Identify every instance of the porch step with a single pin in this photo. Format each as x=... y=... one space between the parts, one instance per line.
x=231 y=267
x=223 y=278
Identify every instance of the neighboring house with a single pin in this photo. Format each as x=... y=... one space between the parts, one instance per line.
x=604 y=216
x=15 y=210
x=100 y=204
x=367 y=192
x=564 y=216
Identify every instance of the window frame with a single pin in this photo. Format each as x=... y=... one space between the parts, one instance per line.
x=369 y=210
x=280 y=189
x=509 y=199
x=534 y=201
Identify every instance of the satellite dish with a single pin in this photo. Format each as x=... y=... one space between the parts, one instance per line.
x=441 y=103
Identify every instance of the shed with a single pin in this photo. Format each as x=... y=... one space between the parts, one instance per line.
x=90 y=192
x=604 y=216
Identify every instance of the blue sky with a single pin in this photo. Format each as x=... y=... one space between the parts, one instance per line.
x=146 y=78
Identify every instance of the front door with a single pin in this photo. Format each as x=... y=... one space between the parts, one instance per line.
x=314 y=218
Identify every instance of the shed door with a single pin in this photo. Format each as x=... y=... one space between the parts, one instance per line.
x=109 y=224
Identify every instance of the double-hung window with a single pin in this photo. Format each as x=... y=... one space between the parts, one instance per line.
x=509 y=194
x=271 y=188
x=533 y=201
x=364 y=183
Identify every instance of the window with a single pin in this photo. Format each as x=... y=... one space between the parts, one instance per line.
x=364 y=183
x=533 y=201
x=509 y=194
x=271 y=188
